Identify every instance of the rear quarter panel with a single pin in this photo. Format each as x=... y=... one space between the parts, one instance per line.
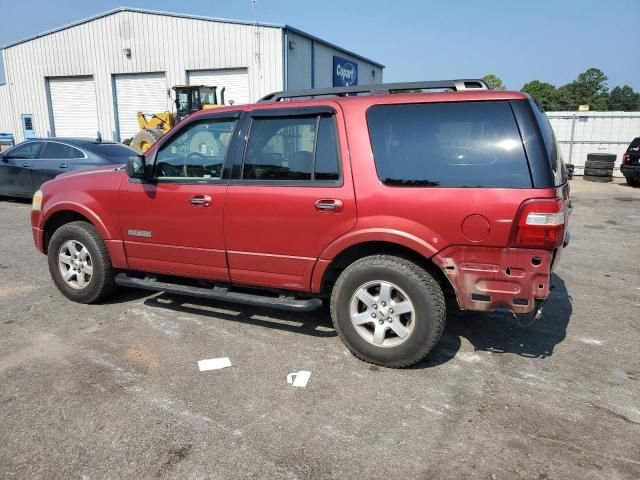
x=434 y=215
x=465 y=231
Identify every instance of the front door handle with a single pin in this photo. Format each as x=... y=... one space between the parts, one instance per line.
x=200 y=201
x=26 y=164
x=329 y=205
x=64 y=165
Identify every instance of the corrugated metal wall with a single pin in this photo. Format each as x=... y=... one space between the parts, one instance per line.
x=5 y=109
x=581 y=133
x=299 y=64
x=158 y=43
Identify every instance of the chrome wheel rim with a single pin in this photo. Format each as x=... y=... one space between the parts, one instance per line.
x=75 y=264
x=382 y=314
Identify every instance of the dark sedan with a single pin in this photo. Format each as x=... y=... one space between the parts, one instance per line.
x=29 y=164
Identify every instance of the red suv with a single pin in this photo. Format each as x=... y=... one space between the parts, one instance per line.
x=383 y=201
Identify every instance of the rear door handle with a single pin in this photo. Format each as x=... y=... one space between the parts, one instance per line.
x=64 y=165
x=200 y=201
x=329 y=205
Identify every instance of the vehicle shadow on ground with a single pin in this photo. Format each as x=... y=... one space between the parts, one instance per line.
x=18 y=200
x=315 y=324
x=493 y=332
x=499 y=332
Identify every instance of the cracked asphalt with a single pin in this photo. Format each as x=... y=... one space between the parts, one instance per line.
x=113 y=390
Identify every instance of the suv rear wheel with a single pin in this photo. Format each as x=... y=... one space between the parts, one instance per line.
x=388 y=311
x=79 y=263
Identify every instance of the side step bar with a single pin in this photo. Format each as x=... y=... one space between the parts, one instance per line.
x=221 y=294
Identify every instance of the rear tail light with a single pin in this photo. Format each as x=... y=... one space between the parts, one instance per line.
x=539 y=224
x=625 y=158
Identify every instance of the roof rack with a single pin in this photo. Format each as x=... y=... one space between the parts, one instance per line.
x=381 y=88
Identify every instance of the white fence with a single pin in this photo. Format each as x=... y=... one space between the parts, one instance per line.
x=581 y=133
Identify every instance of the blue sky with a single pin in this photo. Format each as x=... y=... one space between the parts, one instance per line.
x=417 y=39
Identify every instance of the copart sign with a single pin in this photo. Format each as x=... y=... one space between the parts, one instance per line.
x=345 y=72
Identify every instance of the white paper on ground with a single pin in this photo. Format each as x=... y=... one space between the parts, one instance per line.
x=299 y=379
x=213 y=364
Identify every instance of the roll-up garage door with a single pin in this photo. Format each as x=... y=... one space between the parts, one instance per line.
x=235 y=81
x=73 y=107
x=139 y=92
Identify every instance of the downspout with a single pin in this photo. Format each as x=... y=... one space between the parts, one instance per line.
x=313 y=63
x=573 y=131
x=285 y=59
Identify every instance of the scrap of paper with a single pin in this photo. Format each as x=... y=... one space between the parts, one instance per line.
x=213 y=364
x=299 y=379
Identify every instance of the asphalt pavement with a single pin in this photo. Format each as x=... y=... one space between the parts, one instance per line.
x=114 y=391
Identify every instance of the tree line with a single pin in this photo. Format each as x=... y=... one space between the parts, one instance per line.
x=590 y=88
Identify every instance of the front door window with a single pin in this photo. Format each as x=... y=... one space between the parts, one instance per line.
x=198 y=152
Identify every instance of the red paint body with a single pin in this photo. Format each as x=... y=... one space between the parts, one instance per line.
x=275 y=237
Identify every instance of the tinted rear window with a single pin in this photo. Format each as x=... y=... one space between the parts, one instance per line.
x=635 y=143
x=549 y=138
x=114 y=151
x=471 y=144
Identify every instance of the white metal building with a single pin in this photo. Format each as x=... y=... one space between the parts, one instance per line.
x=94 y=75
x=582 y=133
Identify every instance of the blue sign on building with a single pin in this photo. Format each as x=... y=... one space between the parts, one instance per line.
x=345 y=72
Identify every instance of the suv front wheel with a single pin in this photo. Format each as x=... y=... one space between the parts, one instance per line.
x=388 y=310
x=79 y=263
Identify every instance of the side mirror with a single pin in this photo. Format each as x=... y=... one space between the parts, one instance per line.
x=136 y=167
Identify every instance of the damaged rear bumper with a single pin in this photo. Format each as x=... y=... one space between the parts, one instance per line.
x=486 y=278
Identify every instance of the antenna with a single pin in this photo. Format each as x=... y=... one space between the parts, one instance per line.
x=256 y=31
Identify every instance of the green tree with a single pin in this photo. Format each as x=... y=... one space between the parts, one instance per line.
x=494 y=82
x=624 y=99
x=543 y=92
x=590 y=88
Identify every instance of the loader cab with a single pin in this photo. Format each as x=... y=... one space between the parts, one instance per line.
x=192 y=98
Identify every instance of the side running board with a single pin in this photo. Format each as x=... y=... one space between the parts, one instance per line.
x=221 y=294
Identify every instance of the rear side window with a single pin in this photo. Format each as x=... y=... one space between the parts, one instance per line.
x=550 y=144
x=471 y=144
x=55 y=151
x=296 y=148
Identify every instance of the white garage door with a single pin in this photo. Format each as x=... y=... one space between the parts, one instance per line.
x=73 y=107
x=235 y=81
x=140 y=92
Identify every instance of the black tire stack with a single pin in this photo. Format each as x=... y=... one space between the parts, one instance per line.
x=599 y=167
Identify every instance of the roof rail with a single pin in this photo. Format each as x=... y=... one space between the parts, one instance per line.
x=381 y=88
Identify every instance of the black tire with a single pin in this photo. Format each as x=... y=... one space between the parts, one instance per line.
x=601 y=157
x=423 y=291
x=633 y=182
x=143 y=140
x=102 y=281
x=590 y=178
x=599 y=164
x=598 y=172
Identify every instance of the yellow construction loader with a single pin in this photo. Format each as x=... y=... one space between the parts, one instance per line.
x=188 y=99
